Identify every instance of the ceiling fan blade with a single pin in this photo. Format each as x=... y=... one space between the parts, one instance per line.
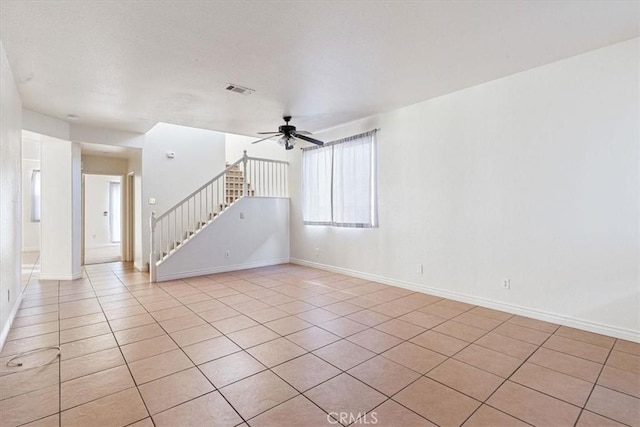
x=308 y=139
x=267 y=133
x=263 y=139
x=304 y=132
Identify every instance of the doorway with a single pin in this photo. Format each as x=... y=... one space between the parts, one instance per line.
x=129 y=218
x=103 y=212
x=31 y=178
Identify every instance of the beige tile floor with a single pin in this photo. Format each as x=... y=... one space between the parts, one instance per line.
x=289 y=345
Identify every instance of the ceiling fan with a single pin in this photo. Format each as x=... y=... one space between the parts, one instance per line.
x=289 y=134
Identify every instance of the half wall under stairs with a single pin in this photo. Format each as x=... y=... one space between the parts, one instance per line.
x=252 y=232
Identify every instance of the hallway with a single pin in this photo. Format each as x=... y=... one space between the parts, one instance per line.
x=103 y=254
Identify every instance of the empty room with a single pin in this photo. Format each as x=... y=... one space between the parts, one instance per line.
x=319 y=213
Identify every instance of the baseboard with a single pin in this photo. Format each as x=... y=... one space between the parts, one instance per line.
x=141 y=268
x=7 y=326
x=222 y=269
x=587 y=325
x=73 y=276
x=110 y=245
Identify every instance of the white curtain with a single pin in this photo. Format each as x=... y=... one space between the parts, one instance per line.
x=316 y=182
x=352 y=183
x=339 y=183
x=114 y=212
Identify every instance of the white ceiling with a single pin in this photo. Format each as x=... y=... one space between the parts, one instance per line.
x=128 y=65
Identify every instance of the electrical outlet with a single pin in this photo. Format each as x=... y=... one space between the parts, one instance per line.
x=419 y=269
x=506 y=283
x=9 y=295
x=317 y=252
x=227 y=254
x=241 y=215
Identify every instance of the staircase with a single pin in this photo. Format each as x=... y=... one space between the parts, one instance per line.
x=246 y=177
x=234 y=185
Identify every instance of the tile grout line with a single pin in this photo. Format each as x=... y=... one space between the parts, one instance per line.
x=270 y=369
x=110 y=394
x=340 y=316
x=484 y=402
x=267 y=368
x=544 y=393
x=122 y=355
x=358 y=364
x=59 y=363
x=186 y=355
x=434 y=367
x=345 y=338
x=370 y=327
x=29 y=283
x=244 y=350
x=441 y=363
x=120 y=349
x=595 y=383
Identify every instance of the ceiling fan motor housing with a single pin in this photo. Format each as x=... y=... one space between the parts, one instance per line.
x=287 y=129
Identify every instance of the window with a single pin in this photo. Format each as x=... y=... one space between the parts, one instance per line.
x=114 y=208
x=339 y=183
x=35 y=195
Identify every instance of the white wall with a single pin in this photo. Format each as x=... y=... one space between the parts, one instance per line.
x=199 y=156
x=10 y=196
x=260 y=238
x=78 y=132
x=135 y=166
x=76 y=211
x=236 y=144
x=532 y=177
x=96 y=202
x=83 y=133
x=45 y=125
x=60 y=223
x=104 y=165
x=30 y=162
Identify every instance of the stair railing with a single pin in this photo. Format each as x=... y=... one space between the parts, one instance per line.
x=246 y=177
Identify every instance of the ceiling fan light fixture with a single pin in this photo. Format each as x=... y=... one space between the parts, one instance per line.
x=287 y=141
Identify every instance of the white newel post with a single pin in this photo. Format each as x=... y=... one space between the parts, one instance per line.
x=244 y=173
x=153 y=255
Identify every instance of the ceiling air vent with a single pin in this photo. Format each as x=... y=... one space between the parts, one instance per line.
x=239 y=89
